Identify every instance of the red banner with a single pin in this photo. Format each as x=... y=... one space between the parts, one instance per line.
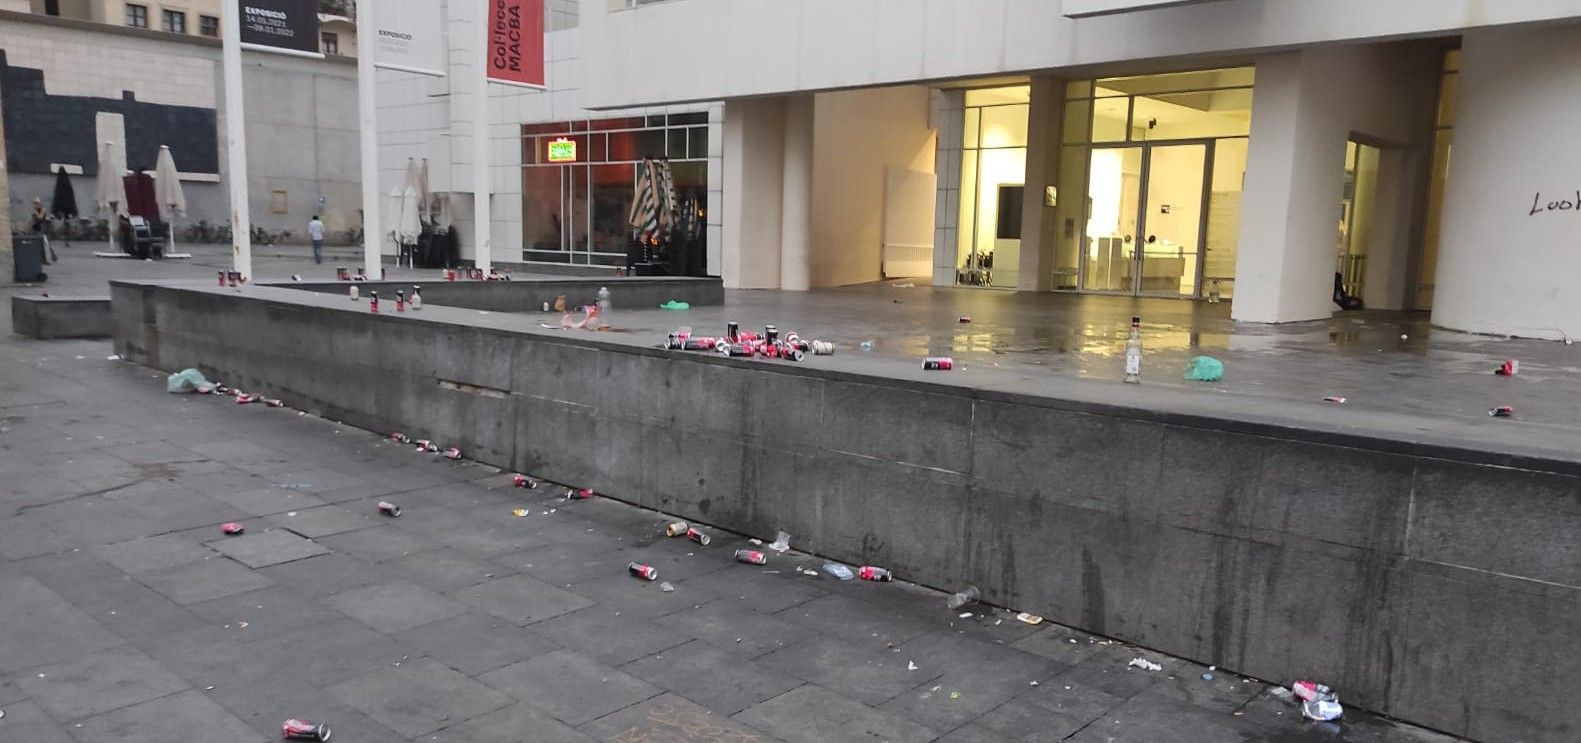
x=516 y=42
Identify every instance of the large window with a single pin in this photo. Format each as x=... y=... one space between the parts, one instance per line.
x=579 y=178
x=137 y=15
x=993 y=169
x=208 y=25
x=174 y=21
x=330 y=43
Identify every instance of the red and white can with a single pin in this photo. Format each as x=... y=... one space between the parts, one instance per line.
x=698 y=536
x=400 y=438
x=1502 y=411
x=453 y=454
x=295 y=729
x=645 y=572
x=752 y=557
x=523 y=481
x=231 y=528
x=389 y=509
x=246 y=399
x=938 y=363
x=582 y=494
x=273 y=403
x=868 y=572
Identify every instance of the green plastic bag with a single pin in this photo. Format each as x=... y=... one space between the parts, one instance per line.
x=674 y=305
x=1205 y=369
x=186 y=380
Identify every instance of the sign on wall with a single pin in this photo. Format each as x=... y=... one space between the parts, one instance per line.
x=515 y=46
x=411 y=37
x=562 y=150
x=280 y=24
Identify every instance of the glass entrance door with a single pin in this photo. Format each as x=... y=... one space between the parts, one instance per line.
x=1145 y=219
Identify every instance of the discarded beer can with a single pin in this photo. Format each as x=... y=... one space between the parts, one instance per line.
x=1334 y=399
x=822 y=348
x=246 y=399
x=645 y=572
x=400 y=300
x=389 y=509
x=222 y=278
x=453 y=454
x=220 y=389
x=868 y=572
x=232 y=528
x=523 y=481
x=732 y=330
x=938 y=363
x=295 y=729
x=273 y=403
x=426 y=445
x=1502 y=411
x=752 y=557
x=676 y=528
x=341 y=274
x=582 y=494
x=400 y=438
x=698 y=536
x=373 y=302
x=964 y=319
x=1509 y=368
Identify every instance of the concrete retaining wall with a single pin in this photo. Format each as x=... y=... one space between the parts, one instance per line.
x=1435 y=585
x=529 y=295
x=49 y=318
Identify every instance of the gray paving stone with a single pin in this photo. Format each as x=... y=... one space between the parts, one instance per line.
x=25 y=536
x=154 y=452
x=419 y=697
x=571 y=687
x=127 y=607
x=325 y=575
x=811 y=714
x=521 y=600
x=321 y=521
x=512 y=724
x=26 y=722
x=601 y=633
x=1140 y=721
x=378 y=545
x=395 y=606
x=736 y=630
x=176 y=507
x=1059 y=643
x=264 y=613
x=153 y=721
x=855 y=620
x=269 y=501
x=474 y=643
x=762 y=592
x=669 y=717
x=639 y=598
x=712 y=678
x=40 y=627
x=99 y=683
x=856 y=672
x=139 y=556
x=261 y=549
x=444 y=570
x=205 y=580
x=985 y=675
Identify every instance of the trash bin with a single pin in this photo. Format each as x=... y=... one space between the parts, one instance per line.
x=27 y=254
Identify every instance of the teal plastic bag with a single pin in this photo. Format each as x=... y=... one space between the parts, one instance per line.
x=674 y=305
x=1205 y=369
x=186 y=380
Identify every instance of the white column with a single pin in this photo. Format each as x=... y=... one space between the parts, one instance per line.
x=754 y=144
x=481 y=229
x=368 y=115
x=1038 y=234
x=796 y=204
x=235 y=140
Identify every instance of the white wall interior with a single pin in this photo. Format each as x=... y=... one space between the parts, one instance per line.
x=1507 y=261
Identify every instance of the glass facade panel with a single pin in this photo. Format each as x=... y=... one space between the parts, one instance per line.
x=999 y=96
x=1109 y=119
x=1005 y=126
x=1211 y=113
x=1069 y=207
x=969 y=130
x=966 y=226
x=1224 y=218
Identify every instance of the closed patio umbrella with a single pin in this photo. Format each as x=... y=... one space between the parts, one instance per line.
x=425 y=206
x=167 y=190
x=64 y=203
x=110 y=192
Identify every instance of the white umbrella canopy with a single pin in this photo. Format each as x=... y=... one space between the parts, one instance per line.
x=109 y=190
x=167 y=184
x=409 y=227
x=393 y=213
x=425 y=198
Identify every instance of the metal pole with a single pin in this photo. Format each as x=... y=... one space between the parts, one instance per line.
x=368 y=114
x=480 y=147
x=236 y=138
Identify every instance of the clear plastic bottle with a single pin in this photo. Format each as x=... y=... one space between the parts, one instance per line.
x=603 y=299
x=1133 y=353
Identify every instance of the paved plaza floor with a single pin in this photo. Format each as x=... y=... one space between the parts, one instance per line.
x=125 y=615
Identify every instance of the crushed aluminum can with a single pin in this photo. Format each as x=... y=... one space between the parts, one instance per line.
x=752 y=557
x=583 y=494
x=373 y=303
x=295 y=729
x=868 y=572
x=400 y=438
x=1336 y=399
x=222 y=278
x=676 y=528
x=964 y=319
x=273 y=403
x=232 y=528
x=453 y=454
x=523 y=481
x=645 y=572
x=698 y=536
x=426 y=445
x=822 y=348
x=1509 y=368
x=1502 y=411
x=246 y=399
x=220 y=389
x=938 y=363
x=341 y=274
x=389 y=509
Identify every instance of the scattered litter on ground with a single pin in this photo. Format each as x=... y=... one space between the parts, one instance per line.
x=523 y=481
x=1205 y=369
x=1031 y=619
x=295 y=729
x=752 y=557
x=1144 y=664
x=755 y=542
x=837 y=571
x=696 y=535
x=904 y=285
x=938 y=363
x=520 y=512
x=970 y=595
x=1509 y=368
x=966 y=615
x=1502 y=411
x=666 y=586
x=781 y=542
x=290 y=513
x=389 y=509
x=1034 y=683
x=1207 y=677
x=812 y=573
x=1334 y=399
x=113 y=357
x=185 y=381
x=911 y=665
x=867 y=345
x=674 y=305
x=869 y=572
x=955 y=695
x=232 y=528
x=643 y=572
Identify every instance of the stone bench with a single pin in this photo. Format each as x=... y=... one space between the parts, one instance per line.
x=49 y=318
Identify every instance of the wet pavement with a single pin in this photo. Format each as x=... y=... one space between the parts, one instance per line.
x=127 y=616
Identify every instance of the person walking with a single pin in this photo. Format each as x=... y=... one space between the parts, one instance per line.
x=38 y=224
x=315 y=232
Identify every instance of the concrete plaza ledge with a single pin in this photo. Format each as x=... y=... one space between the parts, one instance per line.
x=1437 y=581
x=529 y=295
x=48 y=318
